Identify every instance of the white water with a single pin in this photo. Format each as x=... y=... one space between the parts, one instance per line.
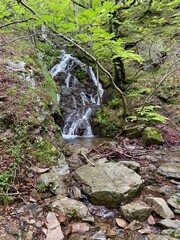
x=81 y=97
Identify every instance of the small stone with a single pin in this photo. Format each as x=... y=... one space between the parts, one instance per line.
x=160 y=207
x=174 y=201
x=38 y=224
x=80 y=228
x=151 y=220
x=137 y=210
x=121 y=223
x=168 y=223
x=54 y=231
x=134 y=225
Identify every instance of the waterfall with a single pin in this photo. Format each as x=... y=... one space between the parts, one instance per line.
x=79 y=95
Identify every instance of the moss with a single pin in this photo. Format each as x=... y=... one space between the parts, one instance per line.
x=108 y=123
x=151 y=135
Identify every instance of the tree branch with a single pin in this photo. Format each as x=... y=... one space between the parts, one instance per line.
x=18 y=21
x=167 y=74
x=26 y=6
x=79 y=4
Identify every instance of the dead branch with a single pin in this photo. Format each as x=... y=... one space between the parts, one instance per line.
x=88 y=161
x=167 y=74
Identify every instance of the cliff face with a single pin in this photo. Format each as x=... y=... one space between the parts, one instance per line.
x=28 y=103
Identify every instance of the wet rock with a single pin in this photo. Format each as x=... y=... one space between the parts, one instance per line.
x=174 y=201
x=131 y=164
x=137 y=210
x=151 y=135
x=109 y=184
x=170 y=170
x=175 y=233
x=168 y=223
x=160 y=207
x=54 y=182
x=70 y=207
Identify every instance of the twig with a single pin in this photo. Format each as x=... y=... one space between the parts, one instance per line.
x=87 y=159
x=17 y=21
x=167 y=74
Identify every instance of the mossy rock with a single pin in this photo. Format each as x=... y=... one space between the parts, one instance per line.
x=151 y=135
x=134 y=131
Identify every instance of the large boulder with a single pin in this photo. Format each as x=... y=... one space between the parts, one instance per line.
x=109 y=184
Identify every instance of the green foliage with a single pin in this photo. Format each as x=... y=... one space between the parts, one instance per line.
x=114 y=103
x=148 y=114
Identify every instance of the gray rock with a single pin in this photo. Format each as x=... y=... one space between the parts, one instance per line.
x=131 y=164
x=160 y=237
x=174 y=201
x=54 y=182
x=70 y=207
x=109 y=184
x=168 y=223
x=137 y=210
x=170 y=170
x=151 y=135
x=160 y=207
x=175 y=233
x=62 y=167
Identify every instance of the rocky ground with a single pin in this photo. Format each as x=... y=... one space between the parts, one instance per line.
x=110 y=190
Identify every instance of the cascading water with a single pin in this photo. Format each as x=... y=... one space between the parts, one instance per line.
x=80 y=93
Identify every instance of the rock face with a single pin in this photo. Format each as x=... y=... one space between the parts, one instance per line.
x=109 y=184
x=160 y=207
x=170 y=170
x=151 y=135
x=137 y=210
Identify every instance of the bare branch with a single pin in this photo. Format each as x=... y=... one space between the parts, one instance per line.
x=18 y=21
x=167 y=74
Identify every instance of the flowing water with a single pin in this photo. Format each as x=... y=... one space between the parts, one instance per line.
x=80 y=94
